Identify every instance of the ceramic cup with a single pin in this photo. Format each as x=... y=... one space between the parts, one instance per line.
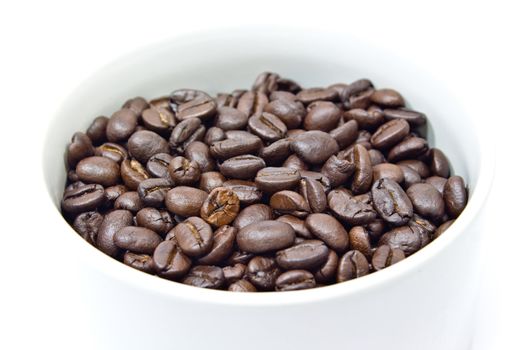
x=424 y=302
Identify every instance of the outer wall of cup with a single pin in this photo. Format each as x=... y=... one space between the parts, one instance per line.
x=424 y=302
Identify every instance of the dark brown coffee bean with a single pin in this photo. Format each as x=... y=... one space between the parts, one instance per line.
x=154 y=219
x=337 y=170
x=408 y=148
x=281 y=95
x=229 y=100
x=404 y=238
x=189 y=103
x=266 y=82
x=267 y=126
x=307 y=96
x=295 y=280
x=391 y=202
x=438 y=183
x=345 y=134
x=129 y=201
x=252 y=103
x=183 y=172
x=294 y=132
x=387 y=98
x=132 y=173
x=238 y=145
x=239 y=257
x=376 y=157
x=112 y=151
x=79 y=148
x=141 y=262
x=234 y=273
x=99 y=170
x=352 y=265
x=229 y=118
x=289 y=202
x=328 y=230
x=363 y=175
x=326 y=273
x=360 y=241
x=422 y=169
x=355 y=88
x=319 y=177
x=183 y=132
x=288 y=85
x=158 y=119
x=211 y=180
x=390 y=134
x=152 y=192
x=455 y=195
x=385 y=256
x=410 y=176
x=252 y=214
x=388 y=171
x=169 y=261
x=309 y=254
x=360 y=99
x=185 y=201
x=158 y=164
x=214 y=135
x=199 y=153
x=247 y=191
x=194 y=237
x=412 y=117
x=111 y=224
x=87 y=225
x=365 y=120
x=294 y=162
x=273 y=179
x=242 y=286
x=276 y=152
x=262 y=272
x=137 y=239
x=424 y=228
x=439 y=163
x=349 y=209
x=322 y=115
x=442 y=228
x=297 y=224
x=136 y=104
x=220 y=207
x=375 y=229
x=121 y=125
x=426 y=200
x=97 y=130
x=265 y=236
x=314 y=194
x=83 y=198
x=314 y=147
x=290 y=111
x=243 y=167
x=223 y=240
x=112 y=193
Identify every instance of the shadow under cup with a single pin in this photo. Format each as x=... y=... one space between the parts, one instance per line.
x=424 y=302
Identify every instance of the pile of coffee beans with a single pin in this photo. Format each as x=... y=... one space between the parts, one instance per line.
x=276 y=188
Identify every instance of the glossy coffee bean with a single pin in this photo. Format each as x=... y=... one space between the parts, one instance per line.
x=112 y=223
x=345 y=134
x=322 y=115
x=79 y=148
x=121 y=125
x=410 y=176
x=158 y=164
x=137 y=239
x=87 y=225
x=112 y=193
x=220 y=207
x=314 y=147
x=328 y=230
x=439 y=163
x=237 y=145
x=326 y=273
x=234 y=273
x=314 y=194
x=276 y=152
x=82 y=199
x=388 y=171
x=402 y=237
x=252 y=103
x=205 y=277
x=387 y=98
x=290 y=111
x=97 y=130
x=194 y=237
x=152 y=192
x=376 y=157
x=438 y=183
x=141 y=262
x=183 y=171
x=390 y=134
x=211 y=180
x=129 y=201
x=137 y=105
x=267 y=126
x=294 y=162
x=159 y=221
x=242 y=286
x=423 y=227
x=309 y=95
x=352 y=264
x=158 y=119
x=199 y=153
x=252 y=214
x=385 y=256
x=247 y=191
x=297 y=224
x=185 y=201
x=98 y=170
x=189 y=103
x=187 y=130
x=442 y=228
x=426 y=200
x=272 y=179
x=223 y=241
x=169 y=261
x=365 y=119
x=112 y=151
x=309 y=255
x=455 y=196
x=289 y=202
x=243 y=167
x=214 y=134
x=266 y=82
x=421 y=168
x=132 y=173
x=265 y=236
x=295 y=280
x=408 y=148
x=262 y=272
x=349 y=209
x=360 y=240
x=363 y=174
x=412 y=117
x=316 y=176
x=391 y=202
x=355 y=88
x=337 y=170
x=229 y=118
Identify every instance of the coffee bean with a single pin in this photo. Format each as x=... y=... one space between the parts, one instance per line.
x=427 y=200
x=294 y=162
x=388 y=98
x=234 y=273
x=438 y=183
x=121 y=125
x=289 y=202
x=422 y=169
x=98 y=170
x=439 y=163
x=223 y=240
x=319 y=177
x=112 y=151
x=189 y=103
x=129 y=201
x=220 y=207
x=402 y=237
x=365 y=120
x=273 y=179
x=169 y=261
x=152 y=192
x=205 y=277
x=337 y=170
x=159 y=119
x=87 y=225
x=455 y=196
x=97 y=130
x=314 y=147
x=239 y=257
x=390 y=134
x=229 y=100
x=345 y=134
x=184 y=172
x=136 y=105
x=247 y=191
x=352 y=264
x=83 y=198
x=442 y=228
x=376 y=157
x=185 y=201
x=307 y=96
x=185 y=131
x=137 y=239
x=242 y=286
x=214 y=135
x=112 y=223
x=265 y=236
x=360 y=241
x=328 y=230
x=295 y=280
x=410 y=176
x=360 y=99
x=388 y=171
x=349 y=209
x=326 y=273
x=158 y=164
x=229 y=118
x=267 y=126
x=424 y=228
x=281 y=95
x=79 y=148
x=141 y=262
x=132 y=173
x=194 y=237
x=237 y=145
x=363 y=175
x=262 y=272
x=276 y=152
x=199 y=153
x=112 y=193
x=252 y=103
x=391 y=202
x=355 y=88
x=252 y=214
x=322 y=115
x=211 y=180
x=408 y=148
x=412 y=117
x=243 y=167
x=266 y=82
x=385 y=256
x=154 y=219
x=309 y=254
x=297 y=224
x=290 y=111
x=314 y=194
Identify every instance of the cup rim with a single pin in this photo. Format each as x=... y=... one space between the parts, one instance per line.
x=155 y=285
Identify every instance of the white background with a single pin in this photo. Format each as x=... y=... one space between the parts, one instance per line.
x=48 y=47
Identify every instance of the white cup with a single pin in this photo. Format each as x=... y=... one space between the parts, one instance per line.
x=424 y=302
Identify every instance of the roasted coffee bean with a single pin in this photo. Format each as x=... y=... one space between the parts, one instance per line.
x=185 y=201
x=158 y=164
x=314 y=194
x=363 y=139
x=360 y=99
x=408 y=148
x=319 y=177
x=83 y=198
x=79 y=148
x=276 y=152
x=247 y=191
x=112 y=223
x=352 y=264
x=388 y=171
x=205 y=277
x=294 y=132
x=297 y=224
x=295 y=280
x=183 y=132
x=242 y=286
x=121 y=125
x=363 y=175
x=136 y=104
x=112 y=151
x=160 y=102
x=141 y=262
x=328 y=230
x=322 y=115
x=229 y=100
x=132 y=173
x=154 y=219
x=239 y=257
x=262 y=272
x=112 y=193
x=309 y=254
x=439 y=163
x=337 y=170
x=129 y=201
x=307 y=96
x=252 y=214
x=294 y=162
x=314 y=147
x=158 y=119
x=355 y=88
x=229 y=118
x=326 y=273
x=234 y=273
x=442 y=228
x=267 y=126
x=281 y=95
x=349 y=209
x=97 y=130
x=423 y=227
x=152 y=192
x=214 y=135
x=211 y=180
x=194 y=236
x=365 y=119
x=345 y=134
x=223 y=240
x=243 y=167
x=239 y=145
x=385 y=256
x=189 y=103
x=288 y=85
x=220 y=207
x=87 y=224
x=387 y=98
x=137 y=239
x=438 y=183
x=289 y=202
x=183 y=172
x=273 y=179
x=360 y=241
x=455 y=196
x=199 y=153
x=99 y=170
x=412 y=117
x=410 y=176
x=252 y=103
x=169 y=261
x=426 y=200
x=266 y=82
x=403 y=238
x=265 y=236
x=391 y=202
x=421 y=168
x=376 y=157
x=390 y=134
x=290 y=111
